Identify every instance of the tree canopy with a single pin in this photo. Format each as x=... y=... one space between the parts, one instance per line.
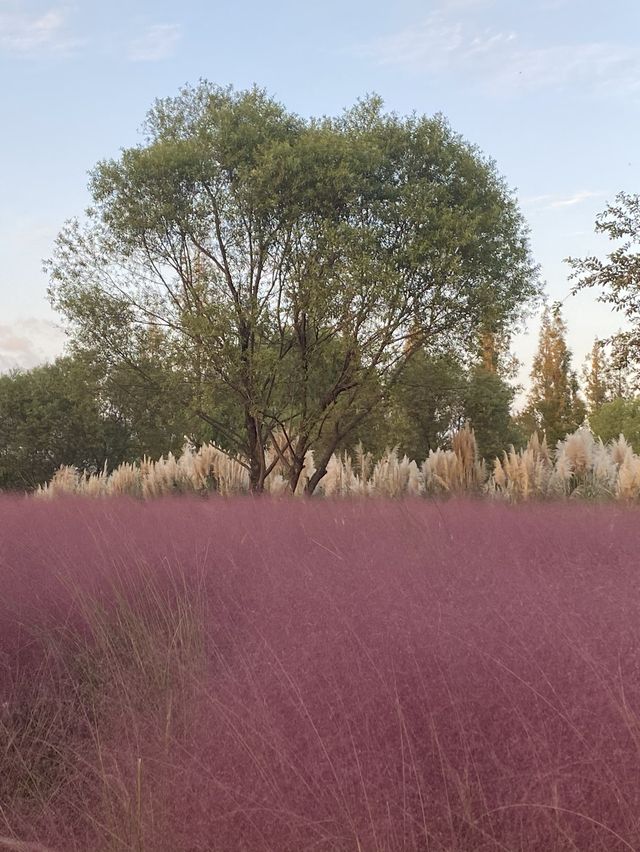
x=83 y=412
x=291 y=268
x=51 y=416
x=618 y=417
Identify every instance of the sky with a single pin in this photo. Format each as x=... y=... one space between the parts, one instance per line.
x=549 y=89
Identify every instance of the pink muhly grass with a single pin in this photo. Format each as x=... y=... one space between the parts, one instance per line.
x=324 y=675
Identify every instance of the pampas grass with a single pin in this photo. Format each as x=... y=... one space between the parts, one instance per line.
x=196 y=471
x=456 y=470
x=580 y=467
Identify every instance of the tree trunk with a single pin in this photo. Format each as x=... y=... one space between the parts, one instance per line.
x=319 y=473
x=297 y=466
x=257 y=465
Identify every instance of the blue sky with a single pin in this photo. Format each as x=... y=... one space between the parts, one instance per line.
x=550 y=89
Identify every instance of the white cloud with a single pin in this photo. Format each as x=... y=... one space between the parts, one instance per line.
x=577 y=198
x=28 y=342
x=28 y=34
x=500 y=61
x=158 y=42
x=552 y=201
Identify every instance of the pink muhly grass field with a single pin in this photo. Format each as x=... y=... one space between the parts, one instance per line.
x=187 y=675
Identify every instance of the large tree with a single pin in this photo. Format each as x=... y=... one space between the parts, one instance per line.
x=292 y=267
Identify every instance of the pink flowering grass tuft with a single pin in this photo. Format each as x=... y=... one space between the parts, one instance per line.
x=189 y=675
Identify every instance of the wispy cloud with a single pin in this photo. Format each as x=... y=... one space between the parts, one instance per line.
x=29 y=342
x=552 y=201
x=577 y=198
x=34 y=34
x=157 y=43
x=500 y=60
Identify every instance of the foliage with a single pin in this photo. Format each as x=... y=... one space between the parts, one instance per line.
x=426 y=404
x=606 y=374
x=597 y=388
x=156 y=402
x=618 y=417
x=553 y=406
x=51 y=416
x=487 y=405
x=88 y=413
x=617 y=277
x=292 y=266
x=433 y=399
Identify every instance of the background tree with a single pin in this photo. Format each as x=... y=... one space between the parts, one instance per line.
x=554 y=406
x=607 y=374
x=52 y=415
x=83 y=412
x=293 y=266
x=489 y=393
x=426 y=405
x=487 y=402
x=618 y=276
x=596 y=377
x=618 y=417
x=435 y=396
x=613 y=409
x=155 y=400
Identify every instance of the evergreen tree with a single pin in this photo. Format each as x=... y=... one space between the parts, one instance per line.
x=554 y=406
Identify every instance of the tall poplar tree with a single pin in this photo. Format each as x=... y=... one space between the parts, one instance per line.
x=596 y=377
x=607 y=374
x=554 y=406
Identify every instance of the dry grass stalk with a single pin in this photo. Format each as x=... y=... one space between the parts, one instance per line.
x=200 y=470
x=455 y=470
x=395 y=477
x=522 y=474
x=580 y=467
x=340 y=479
x=627 y=486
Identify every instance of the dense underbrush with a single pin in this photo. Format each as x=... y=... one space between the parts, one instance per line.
x=184 y=675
